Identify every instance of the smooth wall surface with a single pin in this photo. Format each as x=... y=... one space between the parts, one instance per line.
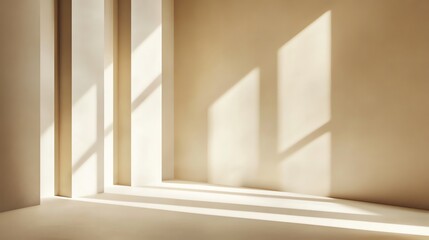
x=19 y=104
x=322 y=97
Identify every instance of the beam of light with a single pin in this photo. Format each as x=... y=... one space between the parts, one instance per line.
x=240 y=200
x=206 y=187
x=283 y=218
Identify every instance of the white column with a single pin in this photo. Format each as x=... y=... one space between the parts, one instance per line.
x=81 y=76
x=146 y=91
x=110 y=88
x=87 y=96
x=47 y=98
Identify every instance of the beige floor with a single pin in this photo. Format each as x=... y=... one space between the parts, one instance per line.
x=192 y=211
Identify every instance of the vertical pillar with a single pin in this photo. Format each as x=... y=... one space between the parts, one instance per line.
x=110 y=90
x=65 y=103
x=81 y=97
x=87 y=95
x=146 y=91
x=123 y=161
x=47 y=98
x=111 y=102
x=167 y=89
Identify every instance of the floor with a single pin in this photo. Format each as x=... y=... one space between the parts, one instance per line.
x=178 y=210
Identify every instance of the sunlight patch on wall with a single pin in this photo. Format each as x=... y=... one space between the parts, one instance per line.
x=308 y=170
x=304 y=81
x=304 y=109
x=233 y=133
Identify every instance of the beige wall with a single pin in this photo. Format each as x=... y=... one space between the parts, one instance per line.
x=320 y=97
x=19 y=104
